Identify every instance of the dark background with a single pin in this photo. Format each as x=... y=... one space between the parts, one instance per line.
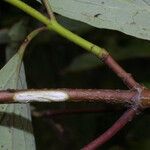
x=54 y=62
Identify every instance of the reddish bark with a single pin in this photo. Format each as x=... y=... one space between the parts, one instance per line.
x=117 y=126
x=120 y=72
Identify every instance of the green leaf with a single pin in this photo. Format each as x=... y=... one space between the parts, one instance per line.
x=128 y=16
x=15 y=119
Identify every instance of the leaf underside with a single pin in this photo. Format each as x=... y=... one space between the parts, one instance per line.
x=128 y=16
x=15 y=119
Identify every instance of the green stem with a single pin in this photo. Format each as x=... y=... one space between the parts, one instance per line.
x=52 y=24
x=77 y=39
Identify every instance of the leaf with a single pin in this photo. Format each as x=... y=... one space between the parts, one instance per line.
x=15 y=119
x=128 y=16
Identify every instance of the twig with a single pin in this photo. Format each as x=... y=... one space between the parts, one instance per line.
x=120 y=72
x=29 y=38
x=140 y=97
x=76 y=95
x=135 y=98
x=106 y=58
x=49 y=9
x=117 y=126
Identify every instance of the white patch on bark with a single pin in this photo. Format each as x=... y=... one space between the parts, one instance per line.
x=41 y=96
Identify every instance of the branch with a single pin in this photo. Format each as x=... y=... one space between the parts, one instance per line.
x=140 y=97
x=76 y=95
x=132 y=97
x=117 y=126
x=120 y=72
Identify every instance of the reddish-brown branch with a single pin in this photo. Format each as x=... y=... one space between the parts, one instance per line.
x=6 y=96
x=118 y=125
x=135 y=97
x=120 y=72
x=109 y=96
x=76 y=95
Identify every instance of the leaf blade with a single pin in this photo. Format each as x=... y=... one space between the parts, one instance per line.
x=15 y=119
x=130 y=17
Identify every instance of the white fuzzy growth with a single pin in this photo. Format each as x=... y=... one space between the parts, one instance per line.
x=41 y=96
